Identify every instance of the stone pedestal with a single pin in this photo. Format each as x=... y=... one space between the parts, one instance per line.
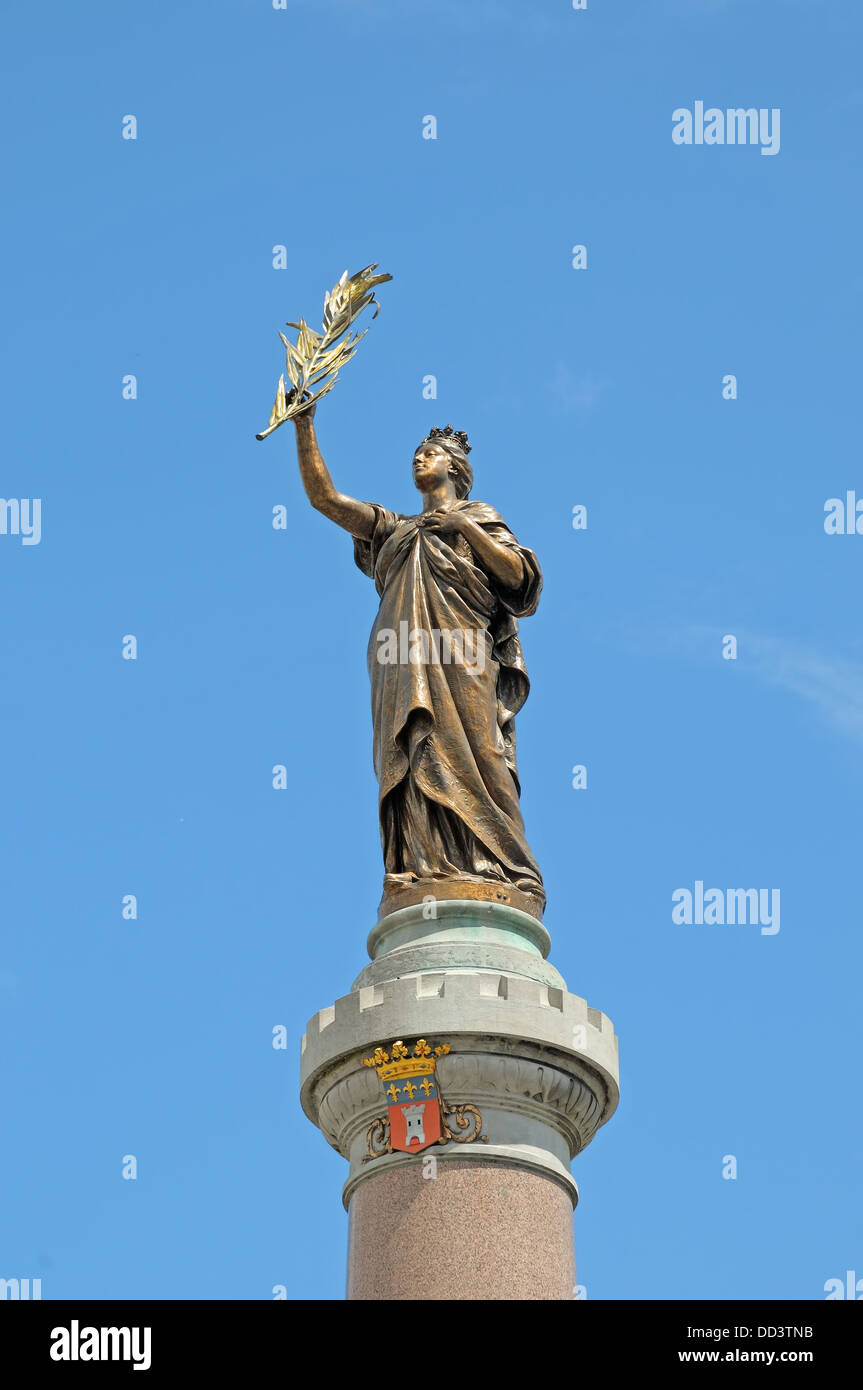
x=531 y=1075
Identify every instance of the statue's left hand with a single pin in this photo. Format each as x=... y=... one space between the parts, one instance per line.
x=442 y=523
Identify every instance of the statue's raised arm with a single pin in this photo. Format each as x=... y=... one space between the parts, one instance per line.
x=356 y=517
x=312 y=364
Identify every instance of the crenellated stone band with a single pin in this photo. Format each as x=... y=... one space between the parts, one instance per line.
x=540 y=1065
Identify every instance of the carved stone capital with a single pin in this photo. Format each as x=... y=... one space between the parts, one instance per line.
x=538 y=1064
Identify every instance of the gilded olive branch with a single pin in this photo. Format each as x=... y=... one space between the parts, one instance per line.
x=315 y=360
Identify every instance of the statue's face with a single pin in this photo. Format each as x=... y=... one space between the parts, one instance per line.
x=432 y=466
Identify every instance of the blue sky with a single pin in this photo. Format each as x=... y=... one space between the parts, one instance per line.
x=600 y=387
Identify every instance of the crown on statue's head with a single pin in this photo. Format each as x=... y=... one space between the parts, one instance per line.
x=451 y=436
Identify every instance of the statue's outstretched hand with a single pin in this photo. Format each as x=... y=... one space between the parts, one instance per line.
x=308 y=412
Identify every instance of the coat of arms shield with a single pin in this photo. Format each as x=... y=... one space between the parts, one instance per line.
x=414 y=1107
x=413 y=1099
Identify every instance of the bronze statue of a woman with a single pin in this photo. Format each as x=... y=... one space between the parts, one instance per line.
x=447 y=675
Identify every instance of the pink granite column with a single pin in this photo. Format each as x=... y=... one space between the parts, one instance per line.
x=474 y=1231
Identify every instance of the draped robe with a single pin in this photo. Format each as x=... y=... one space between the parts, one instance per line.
x=444 y=731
